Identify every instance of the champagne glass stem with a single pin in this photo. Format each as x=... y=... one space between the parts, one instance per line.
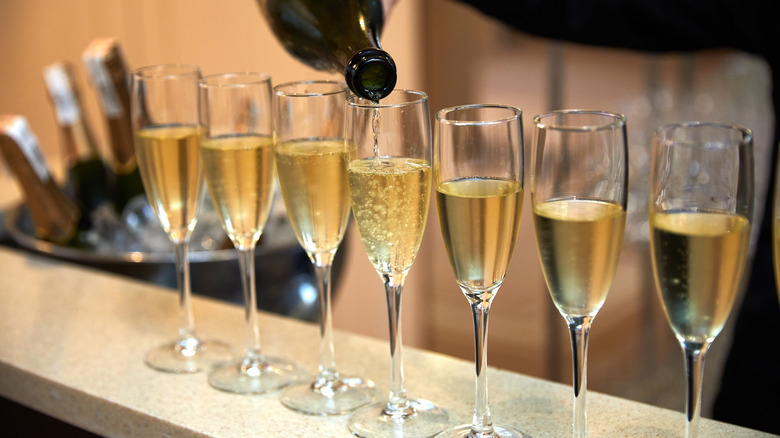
x=327 y=367
x=186 y=317
x=246 y=259
x=694 y=368
x=482 y=424
x=579 y=327
x=397 y=403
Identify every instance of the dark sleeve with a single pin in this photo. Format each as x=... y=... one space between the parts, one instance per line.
x=648 y=25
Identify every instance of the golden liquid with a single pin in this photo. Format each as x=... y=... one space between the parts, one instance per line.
x=480 y=219
x=313 y=179
x=698 y=260
x=579 y=244
x=240 y=175
x=390 y=199
x=169 y=162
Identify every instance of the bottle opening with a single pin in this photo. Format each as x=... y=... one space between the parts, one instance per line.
x=371 y=74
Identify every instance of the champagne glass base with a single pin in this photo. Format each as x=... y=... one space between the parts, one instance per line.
x=421 y=419
x=464 y=431
x=254 y=376
x=332 y=397
x=190 y=355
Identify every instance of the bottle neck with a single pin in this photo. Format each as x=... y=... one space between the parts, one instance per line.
x=371 y=74
x=121 y=136
x=119 y=124
x=64 y=92
x=111 y=79
x=77 y=143
x=53 y=215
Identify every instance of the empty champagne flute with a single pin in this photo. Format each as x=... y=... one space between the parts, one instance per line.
x=312 y=165
x=389 y=174
x=478 y=177
x=238 y=161
x=167 y=130
x=701 y=211
x=579 y=193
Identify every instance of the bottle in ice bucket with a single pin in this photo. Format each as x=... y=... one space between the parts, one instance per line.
x=53 y=215
x=336 y=35
x=110 y=77
x=86 y=176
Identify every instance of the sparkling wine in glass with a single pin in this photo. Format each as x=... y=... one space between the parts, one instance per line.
x=238 y=161
x=579 y=193
x=478 y=177
x=701 y=212
x=311 y=159
x=389 y=175
x=167 y=130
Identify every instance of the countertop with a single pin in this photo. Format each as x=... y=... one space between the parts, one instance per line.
x=72 y=342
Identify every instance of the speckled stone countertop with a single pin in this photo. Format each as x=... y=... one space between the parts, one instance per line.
x=72 y=342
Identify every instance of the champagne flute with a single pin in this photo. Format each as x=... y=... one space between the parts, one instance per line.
x=238 y=162
x=311 y=161
x=389 y=175
x=478 y=176
x=167 y=132
x=579 y=191
x=701 y=211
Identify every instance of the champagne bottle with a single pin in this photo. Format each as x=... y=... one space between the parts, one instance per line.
x=340 y=36
x=109 y=75
x=53 y=215
x=86 y=176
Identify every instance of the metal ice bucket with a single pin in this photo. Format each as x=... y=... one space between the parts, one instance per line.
x=286 y=283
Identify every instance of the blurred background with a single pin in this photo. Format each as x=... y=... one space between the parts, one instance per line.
x=457 y=56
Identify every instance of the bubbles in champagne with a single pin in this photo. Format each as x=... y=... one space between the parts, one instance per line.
x=376 y=126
